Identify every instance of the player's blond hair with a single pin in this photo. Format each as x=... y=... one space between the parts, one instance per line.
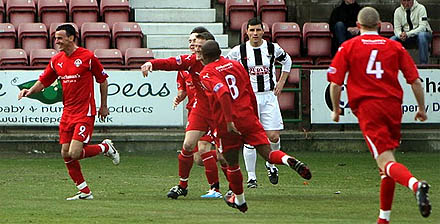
x=369 y=17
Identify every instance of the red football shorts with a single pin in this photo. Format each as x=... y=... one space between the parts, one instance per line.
x=380 y=122
x=251 y=130
x=198 y=123
x=81 y=131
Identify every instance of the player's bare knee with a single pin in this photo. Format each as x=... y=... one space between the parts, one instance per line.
x=274 y=138
x=204 y=146
x=188 y=146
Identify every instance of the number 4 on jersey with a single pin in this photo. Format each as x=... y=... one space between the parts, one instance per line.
x=378 y=71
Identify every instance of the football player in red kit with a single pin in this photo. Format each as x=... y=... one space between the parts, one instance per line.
x=226 y=82
x=76 y=67
x=375 y=97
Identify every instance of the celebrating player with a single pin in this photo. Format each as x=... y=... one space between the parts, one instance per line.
x=375 y=97
x=76 y=67
x=227 y=82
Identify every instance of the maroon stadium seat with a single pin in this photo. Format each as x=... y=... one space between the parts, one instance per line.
x=288 y=36
x=95 y=36
x=7 y=36
x=20 y=11
x=52 y=11
x=109 y=56
x=293 y=79
x=386 y=29
x=52 y=30
x=127 y=35
x=244 y=37
x=271 y=11
x=238 y=12
x=32 y=36
x=287 y=101
x=41 y=57
x=436 y=44
x=82 y=11
x=138 y=56
x=317 y=39
x=113 y=11
x=13 y=58
x=2 y=11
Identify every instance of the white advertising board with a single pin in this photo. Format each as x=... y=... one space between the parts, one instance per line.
x=132 y=100
x=320 y=98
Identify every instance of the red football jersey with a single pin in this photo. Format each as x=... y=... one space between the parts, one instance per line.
x=226 y=76
x=373 y=63
x=76 y=74
x=184 y=82
x=194 y=67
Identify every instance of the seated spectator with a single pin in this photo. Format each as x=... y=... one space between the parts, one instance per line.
x=411 y=26
x=343 y=21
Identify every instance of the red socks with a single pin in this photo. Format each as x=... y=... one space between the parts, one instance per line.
x=235 y=179
x=387 y=185
x=211 y=170
x=74 y=169
x=93 y=150
x=185 y=164
x=401 y=175
x=275 y=157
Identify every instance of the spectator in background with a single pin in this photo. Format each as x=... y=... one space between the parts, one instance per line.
x=343 y=21
x=411 y=26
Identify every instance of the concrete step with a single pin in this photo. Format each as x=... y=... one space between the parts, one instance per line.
x=173 y=15
x=145 y=4
x=178 y=28
x=178 y=41
x=166 y=53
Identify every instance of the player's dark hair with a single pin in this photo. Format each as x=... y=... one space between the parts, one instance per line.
x=199 y=29
x=205 y=36
x=254 y=21
x=211 y=50
x=70 y=30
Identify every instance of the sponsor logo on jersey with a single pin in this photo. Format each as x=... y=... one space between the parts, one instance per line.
x=331 y=70
x=77 y=62
x=259 y=70
x=224 y=67
x=217 y=87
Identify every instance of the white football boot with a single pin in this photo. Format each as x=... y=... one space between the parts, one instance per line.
x=112 y=153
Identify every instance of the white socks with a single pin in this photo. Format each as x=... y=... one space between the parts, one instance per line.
x=250 y=159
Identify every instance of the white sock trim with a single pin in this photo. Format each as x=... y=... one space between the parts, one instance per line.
x=411 y=183
x=183 y=179
x=239 y=199
x=252 y=176
x=284 y=159
x=275 y=145
x=387 y=168
x=81 y=185
x=103 y=147
x=385 y=214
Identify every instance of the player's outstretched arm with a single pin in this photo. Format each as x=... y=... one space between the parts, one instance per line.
x=335 y=95
x=147 y=67
x=103 y=109
x=37 y=87
x=419 y=94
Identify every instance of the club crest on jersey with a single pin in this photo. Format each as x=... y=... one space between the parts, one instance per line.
x=331 y=70
x=218 y=86
x=77 y=62
x=179 y=60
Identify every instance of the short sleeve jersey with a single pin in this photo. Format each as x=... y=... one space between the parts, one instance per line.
x=226 y=76
x=258 y=62
x=194 y=67
x=76 y=74
x=184 y=82
x=372 y=63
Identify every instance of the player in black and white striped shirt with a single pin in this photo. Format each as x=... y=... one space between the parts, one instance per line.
x=258 y=56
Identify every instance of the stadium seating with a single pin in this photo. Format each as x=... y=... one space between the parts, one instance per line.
x=317 y=39
x=41 y=57
x=138 y=56
x=244 y=37
x=7 y=36
x=95 y=36
x=20 y=11
x=82 y=11
x=293 y=79
x=127 y=35
x=238 y=12
x=13 y=58
x=113 y=11
x=109 y=56
x=271 y=11
x=52 y=30
x=288 y=36
x=2 y=11
x=50 y=11
x=386 y=29
x=32 y=36
x=436 y=44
